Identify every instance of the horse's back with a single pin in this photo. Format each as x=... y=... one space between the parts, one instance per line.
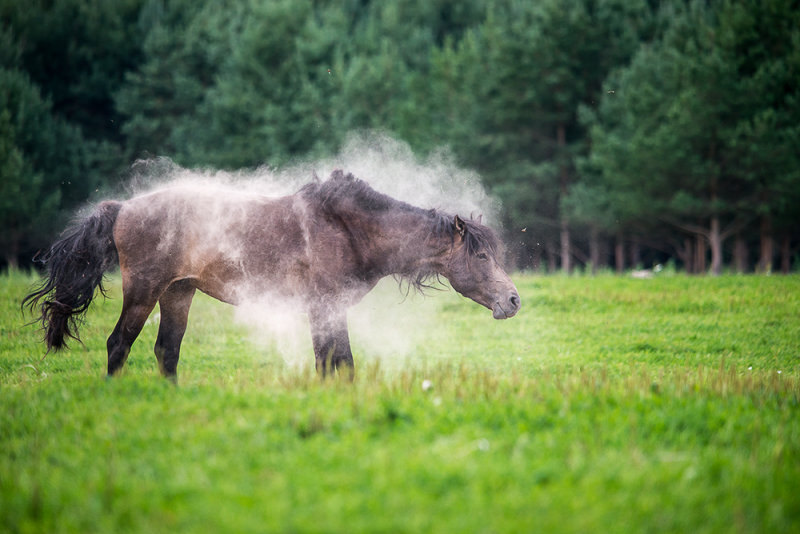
x=224 y=240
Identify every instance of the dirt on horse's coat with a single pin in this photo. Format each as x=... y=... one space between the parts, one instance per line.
x=323 y=249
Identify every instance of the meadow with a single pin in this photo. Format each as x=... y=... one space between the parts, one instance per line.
x=609 y=404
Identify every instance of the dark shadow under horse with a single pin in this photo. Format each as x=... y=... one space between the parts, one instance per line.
x=323 y=249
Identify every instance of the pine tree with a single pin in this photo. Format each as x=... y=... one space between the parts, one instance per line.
x=677 y=132
x=524 y=74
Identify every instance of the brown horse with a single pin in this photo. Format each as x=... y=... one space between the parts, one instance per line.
x=323 y=249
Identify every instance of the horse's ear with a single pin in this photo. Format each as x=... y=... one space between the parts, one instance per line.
x=460 y=226
x=480 y=218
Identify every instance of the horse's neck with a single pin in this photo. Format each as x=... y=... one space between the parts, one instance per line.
x=405 y=243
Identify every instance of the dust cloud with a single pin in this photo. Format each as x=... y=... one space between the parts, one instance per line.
x=391 y=321
x=391 y=167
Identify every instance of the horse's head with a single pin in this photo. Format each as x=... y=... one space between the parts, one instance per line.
x=473 y=270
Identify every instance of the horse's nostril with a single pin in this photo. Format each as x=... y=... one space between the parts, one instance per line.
x=514 y=300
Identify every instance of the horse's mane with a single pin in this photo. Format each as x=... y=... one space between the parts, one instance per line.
x=343 y=188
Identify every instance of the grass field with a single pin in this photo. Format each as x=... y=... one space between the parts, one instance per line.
x=607 y=405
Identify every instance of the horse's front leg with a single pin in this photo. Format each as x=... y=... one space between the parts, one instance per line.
x=331 y=343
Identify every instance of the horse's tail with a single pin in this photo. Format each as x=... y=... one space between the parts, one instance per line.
x=75 y=267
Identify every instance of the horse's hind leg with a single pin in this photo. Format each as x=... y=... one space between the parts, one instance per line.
x=174 y=305
x=136 y=307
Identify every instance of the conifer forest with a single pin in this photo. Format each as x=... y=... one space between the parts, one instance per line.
x=614 y=134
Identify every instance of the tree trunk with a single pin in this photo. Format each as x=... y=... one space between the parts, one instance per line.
x=536 y=258
x=594 y=249
x=566 y=253
x=566 y=256
x=636 y=253
x=714 y=234
x=619 y=253
x=11 y=255
x=552 y=265
x=700 y=254
x=715 y=237
x=740 y=254
x=12 y=262
x=786 y=254
x=767 y=246
x=685 y=254
x=605 y=252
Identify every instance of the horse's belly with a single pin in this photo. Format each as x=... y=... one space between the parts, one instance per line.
x=236 y=279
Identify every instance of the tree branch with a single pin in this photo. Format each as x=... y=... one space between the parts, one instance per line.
x=687 y=227
x=735 y=226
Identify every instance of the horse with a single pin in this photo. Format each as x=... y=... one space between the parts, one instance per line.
x=322 y=248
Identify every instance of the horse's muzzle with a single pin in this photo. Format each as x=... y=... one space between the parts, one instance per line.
x=507 y=307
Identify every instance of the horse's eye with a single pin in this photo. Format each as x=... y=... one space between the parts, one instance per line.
x=482 y=256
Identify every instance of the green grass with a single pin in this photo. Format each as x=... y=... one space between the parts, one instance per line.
x=607 y=405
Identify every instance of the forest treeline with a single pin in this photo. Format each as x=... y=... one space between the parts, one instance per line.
x=616 y=133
